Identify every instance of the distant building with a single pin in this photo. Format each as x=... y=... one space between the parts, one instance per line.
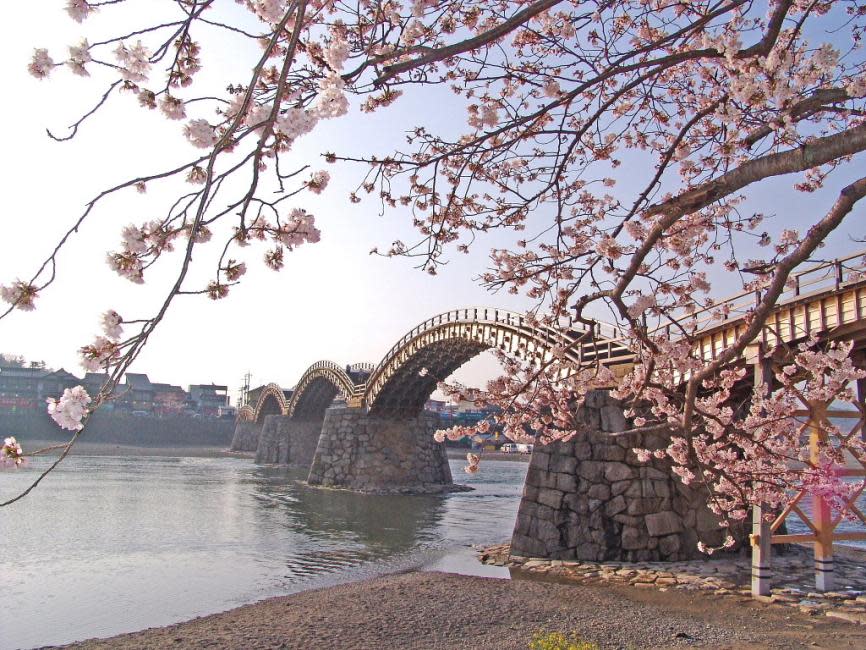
x=208 y=399
x=93 y=382
x=228 y=412
x=19 y=387
x=27 y=388
x=135 y=394
x=52 y=384
x=168 y=399
x=437 y=406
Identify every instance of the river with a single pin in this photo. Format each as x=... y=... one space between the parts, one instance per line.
x=114 y=544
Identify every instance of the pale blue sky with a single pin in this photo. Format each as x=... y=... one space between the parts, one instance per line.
x=332 y=301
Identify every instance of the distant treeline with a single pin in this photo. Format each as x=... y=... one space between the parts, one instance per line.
x=125 y=429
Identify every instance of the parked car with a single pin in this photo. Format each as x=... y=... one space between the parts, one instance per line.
x=509 y=448
x=524 y=448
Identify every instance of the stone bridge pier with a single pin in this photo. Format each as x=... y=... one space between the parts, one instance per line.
x=591 y=499
x=381 y=454
x=246 y=437
x=288 y=440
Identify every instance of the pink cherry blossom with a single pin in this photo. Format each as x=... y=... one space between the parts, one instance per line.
x=79 y=55
x=172 y=107
x=11 y=452
x=96 y=356
x=337 y=53
x=41 y=64
x=79 y=10
x=69 y=411
x=111 y=324
x=20 y=294
x=318 y=181
x=332 y=101
x=134 y=61
x=200 y=133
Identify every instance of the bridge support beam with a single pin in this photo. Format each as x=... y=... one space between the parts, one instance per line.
x=591 y=499
x=285 y=440
x=380 y=454
x=246 y=436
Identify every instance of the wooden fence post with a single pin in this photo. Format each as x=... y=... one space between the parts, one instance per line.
x=761 y=537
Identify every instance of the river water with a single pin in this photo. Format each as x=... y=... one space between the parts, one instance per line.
x=114 y=544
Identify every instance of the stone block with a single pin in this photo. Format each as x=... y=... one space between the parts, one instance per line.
x=632 y=538
x=563 y=464
x=545 y=512
x=527 y=546
x=635 y=490
x=663 y=523
x=617 y=472
x=541 y=461
x=550 y=498
x=588 y=552
x=615 y=506
x=654 y=473
x=599 y=491
x=548 y=534
x=612 y=419
x=608 y=452
x=563 y=449
x=591 y=470
x=628 y=520
x=620 y=487
x=578 y=503
x=582 y=450
x=669 y=545
x=566 y=482
x=661 y=488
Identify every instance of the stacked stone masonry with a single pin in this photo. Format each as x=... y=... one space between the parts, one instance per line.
x=377 y=454
x=285 y=440
x=246 y=436
x=591 y=499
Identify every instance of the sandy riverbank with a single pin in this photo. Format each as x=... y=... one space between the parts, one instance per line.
x=445 y=611
x=83 y=448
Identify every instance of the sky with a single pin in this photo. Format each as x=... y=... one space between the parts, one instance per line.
x=333 y=300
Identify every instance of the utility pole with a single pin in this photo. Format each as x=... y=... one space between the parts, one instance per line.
x=245 y=390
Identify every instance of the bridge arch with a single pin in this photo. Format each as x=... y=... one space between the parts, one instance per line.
x=431 y=351
x=317 y=388
x=246 y=413
x=272 y=401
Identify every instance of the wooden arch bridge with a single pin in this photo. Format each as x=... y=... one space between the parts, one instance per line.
x=382 y=424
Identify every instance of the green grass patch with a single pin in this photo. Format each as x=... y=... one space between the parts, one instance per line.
x=559 y=641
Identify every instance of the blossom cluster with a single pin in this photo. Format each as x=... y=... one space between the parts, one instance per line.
x=783 y=444
x=20 y=294
x=69 y=411
x=105 y=350
x=11 y=452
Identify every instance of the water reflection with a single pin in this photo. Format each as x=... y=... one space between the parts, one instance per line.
x=113 y=544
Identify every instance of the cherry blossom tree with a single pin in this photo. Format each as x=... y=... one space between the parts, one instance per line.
x=619 y=141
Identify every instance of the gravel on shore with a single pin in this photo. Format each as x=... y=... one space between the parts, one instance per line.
x=440 y=611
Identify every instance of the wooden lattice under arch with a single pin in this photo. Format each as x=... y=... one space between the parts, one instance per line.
x=822 y=522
